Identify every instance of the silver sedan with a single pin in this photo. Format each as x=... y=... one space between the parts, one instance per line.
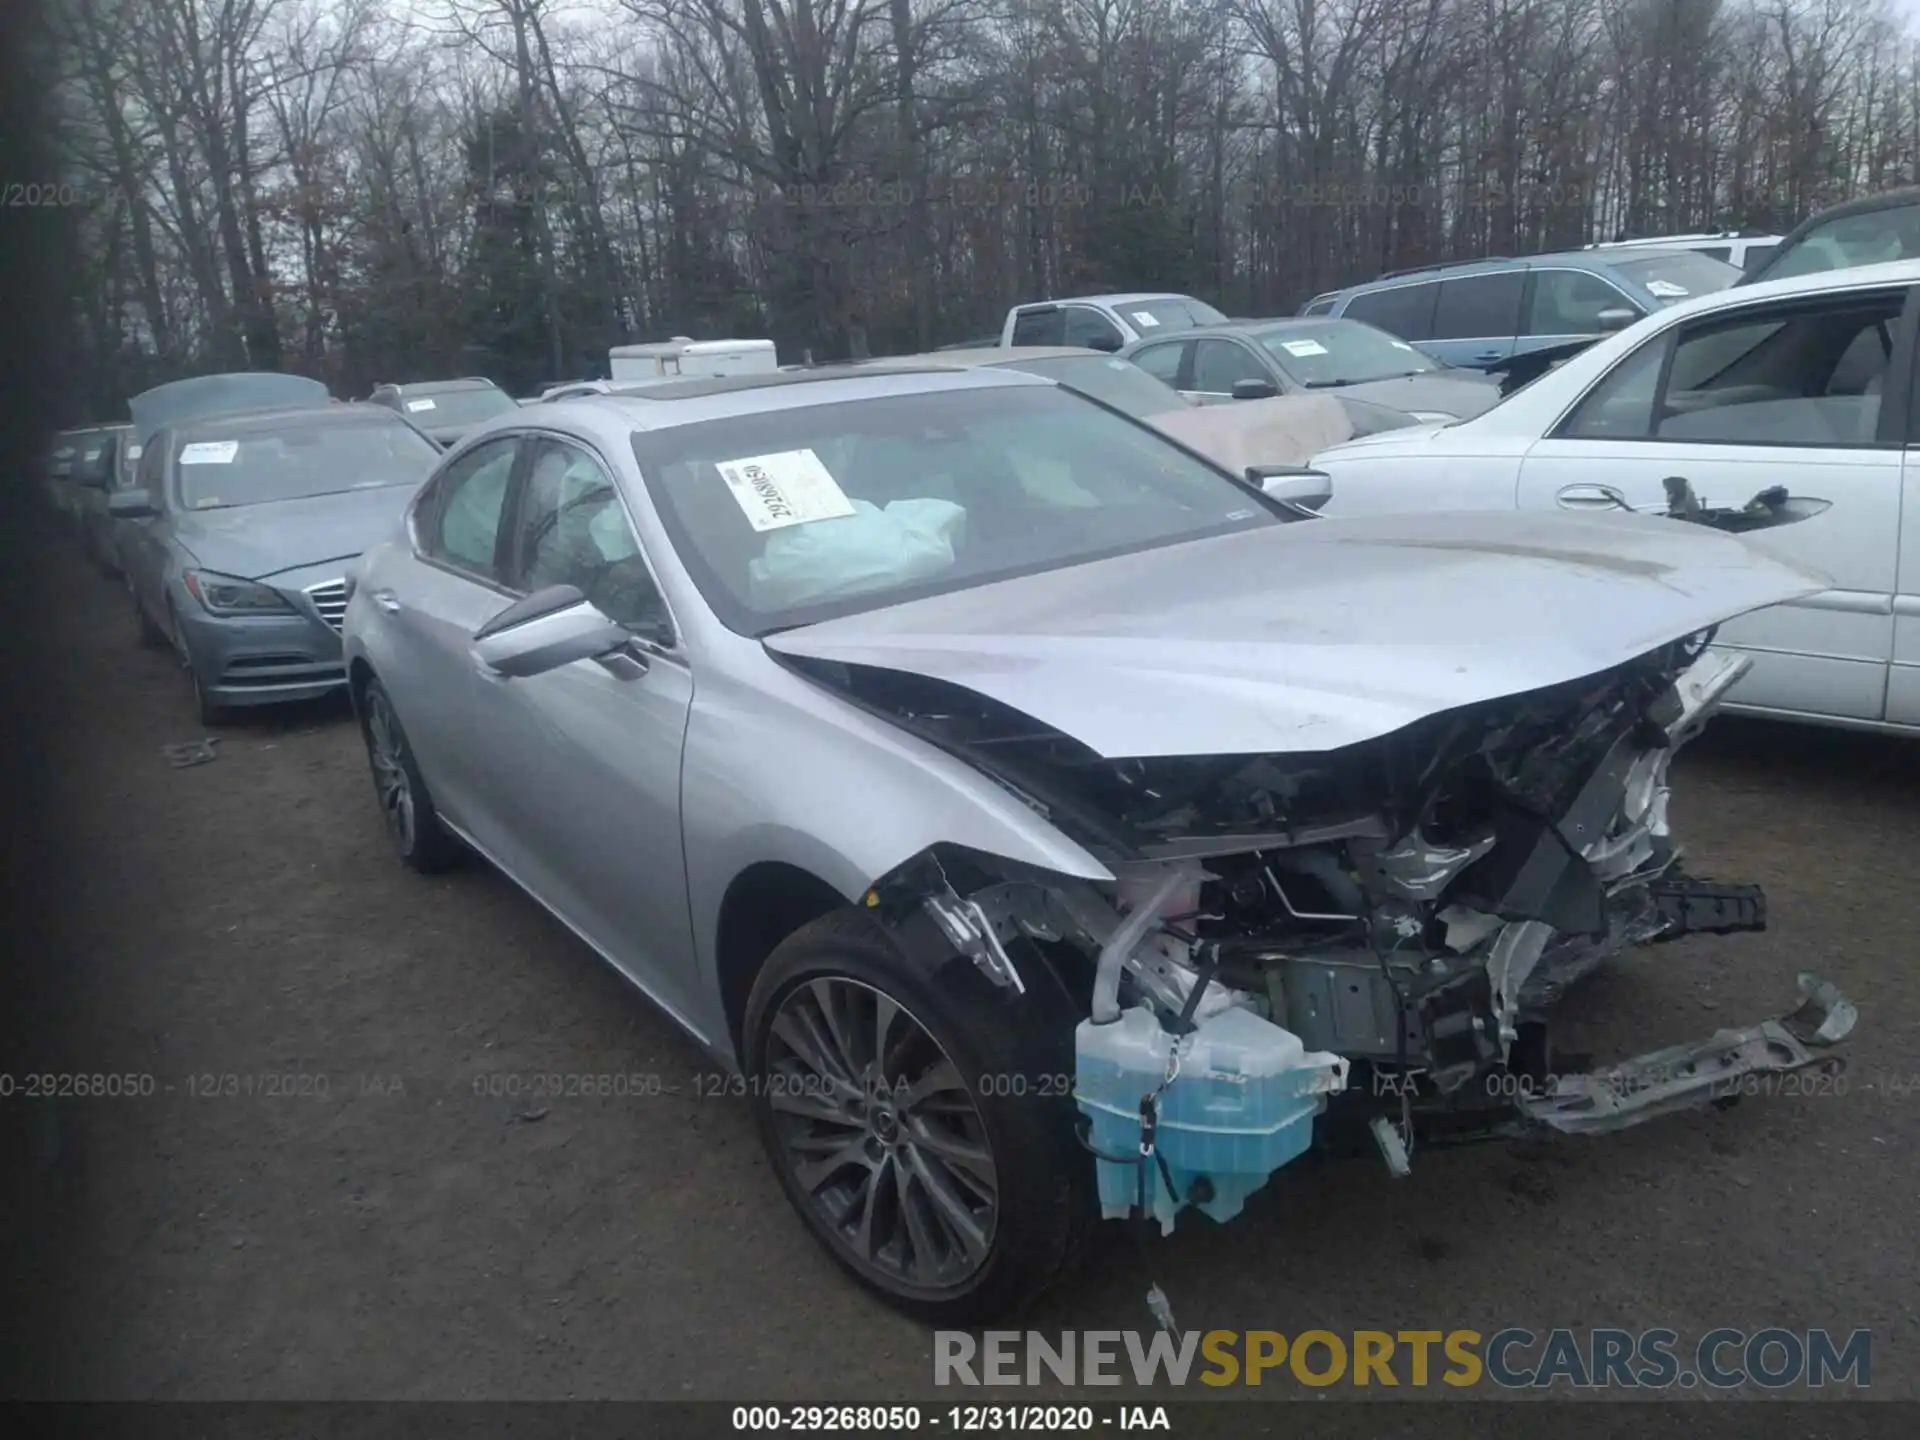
x=1043 y=822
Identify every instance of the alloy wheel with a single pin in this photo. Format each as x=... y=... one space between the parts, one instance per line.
x=879 y=1130
x=390 y=780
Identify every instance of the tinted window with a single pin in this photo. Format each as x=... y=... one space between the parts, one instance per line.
x=1479 y=306
x=1716 y=252
x=1119 y=383
x=1323 y=306
x=1757 y=255
x=304 y=458
x=1403 y=310
x=456 y=407
x=1569 y=302
x=1087 y=326
x=573 y=530
x=1331 y=353
x=1040 y=327
x=472 y=495
x=794 y=515
x=1161 y=361
x=1218 y=365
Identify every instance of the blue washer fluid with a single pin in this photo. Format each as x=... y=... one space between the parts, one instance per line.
x=1241 y=1106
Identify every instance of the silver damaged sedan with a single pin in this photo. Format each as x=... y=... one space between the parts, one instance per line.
x=1046 y=823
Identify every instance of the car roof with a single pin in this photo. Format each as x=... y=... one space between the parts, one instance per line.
x=991 y=355
x=1130 y=297
x=693 y=401
x=441 y=387
x=255 y=422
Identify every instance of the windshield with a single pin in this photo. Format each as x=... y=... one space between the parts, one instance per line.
x=455 y=407
x=1181 y=312
x=1341 y=352
x=298 y=461
x=1119 y=383
x=1675 y=277
x=798 y=515
x=1849 y=240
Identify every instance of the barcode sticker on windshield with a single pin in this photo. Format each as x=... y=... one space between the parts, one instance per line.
x=788 y=488
x=1303 y=347
x=133 y=452
x=210 y=452
x=1666 y=289
x=414 y=407
x=1144 y=319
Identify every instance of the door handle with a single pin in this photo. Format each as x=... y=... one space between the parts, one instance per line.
x=1487 y=357
x=1591 y=497
x=386 y=600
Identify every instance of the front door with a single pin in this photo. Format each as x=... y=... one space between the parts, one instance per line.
x=1788 y=393
x=583 y=762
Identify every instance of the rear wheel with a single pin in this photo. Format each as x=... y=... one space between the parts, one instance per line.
x=413 y=824
x=919 y=1122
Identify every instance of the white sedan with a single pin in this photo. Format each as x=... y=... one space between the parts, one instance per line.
x=1806 y=383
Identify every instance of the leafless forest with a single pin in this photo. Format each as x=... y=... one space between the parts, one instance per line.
x=370 y=189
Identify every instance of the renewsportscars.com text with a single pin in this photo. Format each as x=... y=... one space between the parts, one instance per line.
x=1770 y=1358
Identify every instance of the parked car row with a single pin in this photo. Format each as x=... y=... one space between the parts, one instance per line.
x=964 y=747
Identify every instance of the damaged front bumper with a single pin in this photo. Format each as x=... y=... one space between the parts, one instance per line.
x=1710 y=1071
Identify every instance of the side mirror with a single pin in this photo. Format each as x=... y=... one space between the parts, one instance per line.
x=1299 y=488
x=129 y=504
x=1611 y=320
x=1108 y=343
x=1254 y=389
x=550 y=628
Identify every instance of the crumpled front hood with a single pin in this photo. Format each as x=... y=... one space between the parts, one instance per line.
x=1320 y=634
x=255 y=542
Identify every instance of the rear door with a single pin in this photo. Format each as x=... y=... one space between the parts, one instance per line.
x=1811 y=394
x=431 y=601
x=1404 y=309
x=1475 y=318
x=1167 y=361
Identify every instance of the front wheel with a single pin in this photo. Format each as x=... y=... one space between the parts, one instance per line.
x=920 y=1124
x=413 y=824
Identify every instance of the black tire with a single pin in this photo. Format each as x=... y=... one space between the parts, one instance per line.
x=152 y=637
x=211 y=712
x=406 y=807
x=1042 y=1207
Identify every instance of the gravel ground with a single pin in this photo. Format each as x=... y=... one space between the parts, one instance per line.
x=401 y=1236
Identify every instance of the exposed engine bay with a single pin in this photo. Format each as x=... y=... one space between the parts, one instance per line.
x=1388 y=923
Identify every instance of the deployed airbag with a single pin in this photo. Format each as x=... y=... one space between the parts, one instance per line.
x=873 y=548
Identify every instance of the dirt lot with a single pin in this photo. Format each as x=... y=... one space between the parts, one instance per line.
x=401 y=1236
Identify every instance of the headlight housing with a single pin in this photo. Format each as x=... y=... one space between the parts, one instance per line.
x=230 y=595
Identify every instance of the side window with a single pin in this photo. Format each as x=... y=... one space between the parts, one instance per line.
x=463 y=517
x=573 y=530
x=1403 y=310
x=1782 y=376
x=1620 y=407
x=1716 y=252
x=152 y=475
x=1219 y=364
x=1322 y=306
x=1162 y=361
x=1040 y=327
x=1569 y=302
x=1479 y=307
x=1086 y=326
